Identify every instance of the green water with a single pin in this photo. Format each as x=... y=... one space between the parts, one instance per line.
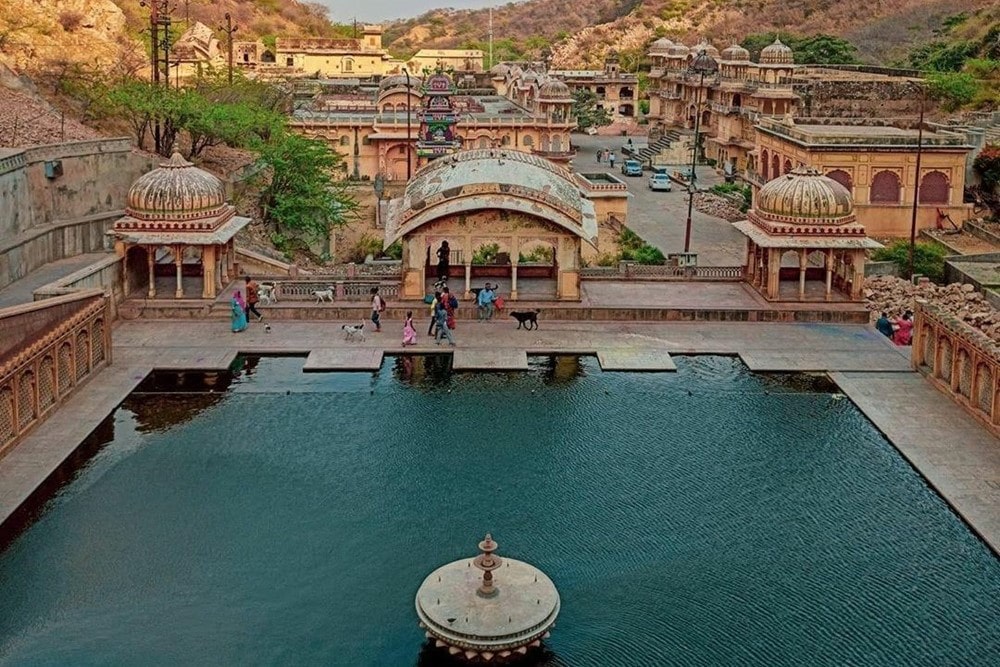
x=707 y=517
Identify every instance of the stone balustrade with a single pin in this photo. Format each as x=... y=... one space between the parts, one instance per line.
x=635 y=271
x=960 y=361
x=48 y=349
x=342 y=290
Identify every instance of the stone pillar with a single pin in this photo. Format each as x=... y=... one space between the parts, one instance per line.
x=225 y=264
x=231 y=257
x=151 y=260
x=773 y=273
x=858 y=283
x=803 y=264
x=122 y=251
x=178 y=251
x=468 y=278
x=208 y=272
x=829 y=274
x=513 y=280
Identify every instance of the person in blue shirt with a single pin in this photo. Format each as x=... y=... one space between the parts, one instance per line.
x=884 y=325
x=485 y=303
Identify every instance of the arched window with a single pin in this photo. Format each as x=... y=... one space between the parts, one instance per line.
x=527 y=141
x=345 y=140
x=505 y=141
x=775 y=166
x=788 y=166
x=556 y=145
x=543 y=144
x=885 y=188
x=765 y=167
x=347 y=65
x=843 y=178
x=934 y=188
x=484 y=142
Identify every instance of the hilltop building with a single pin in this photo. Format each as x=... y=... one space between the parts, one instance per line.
x=360 y=57
x=196 y=50
x=427 y=61
x=376 y=129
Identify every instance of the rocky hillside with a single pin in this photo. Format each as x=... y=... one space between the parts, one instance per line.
x=42 y=35
x=580 y=32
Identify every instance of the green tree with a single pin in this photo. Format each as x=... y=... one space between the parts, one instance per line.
x=817 y=49
x=953 y=89
x=300 y=194
x=586 y=111
x=928 y=258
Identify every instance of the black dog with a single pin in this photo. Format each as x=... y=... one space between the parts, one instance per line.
x=527 y=318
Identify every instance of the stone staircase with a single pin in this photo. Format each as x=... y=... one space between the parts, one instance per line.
x=646 y=153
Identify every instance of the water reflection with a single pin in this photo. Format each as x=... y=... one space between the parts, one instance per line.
x=422 y=370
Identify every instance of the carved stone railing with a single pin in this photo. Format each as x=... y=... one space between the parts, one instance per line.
x=358 y=289
x=634 y=271
x=960 y=360
x=47 y=350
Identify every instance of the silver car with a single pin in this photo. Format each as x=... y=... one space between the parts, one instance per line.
x=659 y=182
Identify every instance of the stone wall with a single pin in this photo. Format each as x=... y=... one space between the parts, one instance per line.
x=43 y=219
x=858 y=99
x=104 y=274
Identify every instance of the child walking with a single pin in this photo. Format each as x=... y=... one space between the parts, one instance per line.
x=409 y=333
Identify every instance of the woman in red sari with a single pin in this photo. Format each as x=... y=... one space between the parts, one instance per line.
x=903 y=329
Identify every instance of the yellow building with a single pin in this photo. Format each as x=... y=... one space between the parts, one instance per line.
x=426 y=61
x=877 y=165
x=361 y=57
x=729 y=102
x=376 y=129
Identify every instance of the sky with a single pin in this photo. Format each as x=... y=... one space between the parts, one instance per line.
x=345 y=11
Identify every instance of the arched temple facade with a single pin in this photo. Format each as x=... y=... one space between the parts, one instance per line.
x=506 y=202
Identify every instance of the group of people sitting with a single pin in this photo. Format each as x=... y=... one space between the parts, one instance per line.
x=899 y=329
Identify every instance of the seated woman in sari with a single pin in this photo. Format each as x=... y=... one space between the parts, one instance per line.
x=903 y=329
x=239 y=312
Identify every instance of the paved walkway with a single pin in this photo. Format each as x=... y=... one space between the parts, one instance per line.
x=659 y=217
x=20 y=291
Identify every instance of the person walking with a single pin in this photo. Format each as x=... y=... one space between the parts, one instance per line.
x=441 y=315
x=611 y=159
x=485 y=303
x=409 y=333
x=378 y=306
x=450 y=304
x=434 y=305
x=600 y=153
x=238 y=310
x=444 y=261
x=253 y=298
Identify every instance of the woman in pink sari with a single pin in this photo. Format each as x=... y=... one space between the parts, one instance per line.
x=903 y=329
x=409 y=333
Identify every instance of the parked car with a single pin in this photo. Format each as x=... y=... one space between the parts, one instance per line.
x=632 y=168
x=659 y=182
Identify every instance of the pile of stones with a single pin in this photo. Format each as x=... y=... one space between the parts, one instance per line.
x=720 y=207
x=895 y=296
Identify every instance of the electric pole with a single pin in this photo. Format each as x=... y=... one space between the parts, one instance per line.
x=229 y=29
x=159 y=47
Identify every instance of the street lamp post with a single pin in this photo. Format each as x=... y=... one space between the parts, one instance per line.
x=916 y=187
x=408 y=144
x=702 y=64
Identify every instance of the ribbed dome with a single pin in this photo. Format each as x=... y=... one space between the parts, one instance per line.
x=555 y=91
x=703 y=45
x=804 y=195
x=176 y=191
x=398 y=80
x=529 y=76
x=660 y=47
x=735 y=53
x=499 y=71
x=776 y=54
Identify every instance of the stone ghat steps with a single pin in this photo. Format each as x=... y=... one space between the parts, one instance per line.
x=356 y=312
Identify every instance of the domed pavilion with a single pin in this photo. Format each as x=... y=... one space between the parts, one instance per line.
x=179 y=211
x=802 y=227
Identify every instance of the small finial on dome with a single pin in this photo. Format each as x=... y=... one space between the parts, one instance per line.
x=176 y=161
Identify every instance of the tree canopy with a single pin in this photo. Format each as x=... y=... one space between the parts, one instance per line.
x=586 y=111
x=812 y=49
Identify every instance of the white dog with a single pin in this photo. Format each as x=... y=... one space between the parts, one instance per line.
x=323 y=294
x=354 y=331
x=268 y=293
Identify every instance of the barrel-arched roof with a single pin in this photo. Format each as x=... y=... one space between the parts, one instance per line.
x=492 y=178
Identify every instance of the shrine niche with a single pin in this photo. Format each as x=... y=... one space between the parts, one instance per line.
x=438 y=118
x=505 y=214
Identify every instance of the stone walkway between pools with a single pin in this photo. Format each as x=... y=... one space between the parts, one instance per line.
x=956 y=455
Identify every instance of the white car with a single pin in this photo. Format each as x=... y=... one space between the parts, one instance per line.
x=659 y=182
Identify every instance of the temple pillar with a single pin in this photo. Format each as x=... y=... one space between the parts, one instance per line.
x=803 y=263
x=829 y=274
x=468 y=277
x=208 y=272
x=231 y=258
x=122 y=249
x=224 y=263
x=773 y=273
x=858 y=283
x=151 y=260
x=178 y=251
x=513 y=280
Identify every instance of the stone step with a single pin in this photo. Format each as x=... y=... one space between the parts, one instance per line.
x=351 y=359
x=632 y=360
x=489 y=359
